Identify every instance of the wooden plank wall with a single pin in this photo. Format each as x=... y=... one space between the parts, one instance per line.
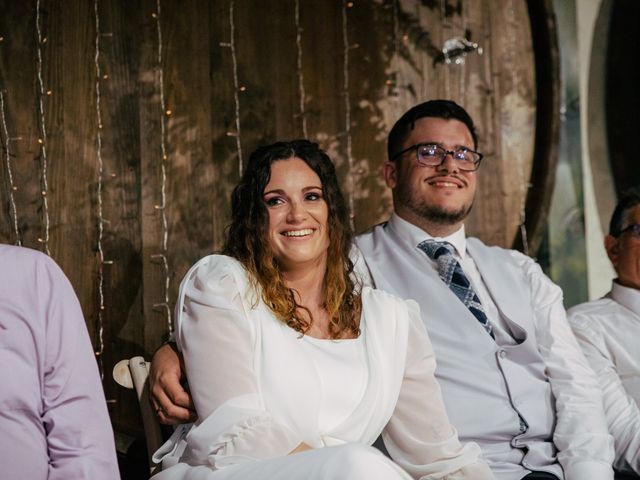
x=232 y=74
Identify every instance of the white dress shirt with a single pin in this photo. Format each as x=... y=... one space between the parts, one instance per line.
x=608 y=331
x=585 y=447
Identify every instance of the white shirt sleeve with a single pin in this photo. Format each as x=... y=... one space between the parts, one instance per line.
x=419 y=436
x=585 y=448
x=621 y=410
x=217 y=340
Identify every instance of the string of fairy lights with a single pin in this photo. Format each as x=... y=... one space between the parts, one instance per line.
x=12 y=186
x=237 y=88
x=42 y=140
x=161 y=207
x=346 y=5
x=99 y=201
x=301 y=93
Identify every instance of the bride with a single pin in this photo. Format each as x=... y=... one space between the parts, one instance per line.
x=294 y=369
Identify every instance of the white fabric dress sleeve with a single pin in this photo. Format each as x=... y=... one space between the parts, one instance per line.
x=217 y=336
x=585 y=447
x=621 y=410
x=419 y=436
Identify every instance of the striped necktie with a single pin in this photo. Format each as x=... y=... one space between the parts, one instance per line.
x=452 y=274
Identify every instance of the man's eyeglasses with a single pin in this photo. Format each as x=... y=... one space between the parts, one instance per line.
x=433 y=155
x=633 y=229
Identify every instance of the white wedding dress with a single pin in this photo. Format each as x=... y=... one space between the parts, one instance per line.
x=260 y=389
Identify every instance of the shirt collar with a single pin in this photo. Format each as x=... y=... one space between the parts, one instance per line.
x=415 y=235
x=626 y=296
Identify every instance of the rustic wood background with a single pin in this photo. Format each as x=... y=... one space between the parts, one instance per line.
x=83 y=128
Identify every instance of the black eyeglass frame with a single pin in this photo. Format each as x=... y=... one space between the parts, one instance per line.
x=415 y=147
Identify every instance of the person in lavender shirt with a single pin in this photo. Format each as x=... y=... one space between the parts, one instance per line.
x=54 y=422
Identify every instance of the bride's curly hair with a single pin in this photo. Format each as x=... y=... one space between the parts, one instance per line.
x=247 y=240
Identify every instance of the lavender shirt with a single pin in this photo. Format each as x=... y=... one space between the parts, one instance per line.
x=53 y=417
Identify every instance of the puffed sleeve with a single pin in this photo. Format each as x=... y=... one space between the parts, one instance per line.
x=419 y=436
x=217 y=336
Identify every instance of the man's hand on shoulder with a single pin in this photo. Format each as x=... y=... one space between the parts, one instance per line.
x=171 y=402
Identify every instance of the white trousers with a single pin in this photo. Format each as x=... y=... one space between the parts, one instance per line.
x=343 y=462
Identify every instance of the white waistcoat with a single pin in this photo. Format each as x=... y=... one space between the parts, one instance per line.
x=486 y=388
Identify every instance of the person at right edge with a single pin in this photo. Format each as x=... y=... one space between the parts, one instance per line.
x=607 y=329
x=513 y=377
